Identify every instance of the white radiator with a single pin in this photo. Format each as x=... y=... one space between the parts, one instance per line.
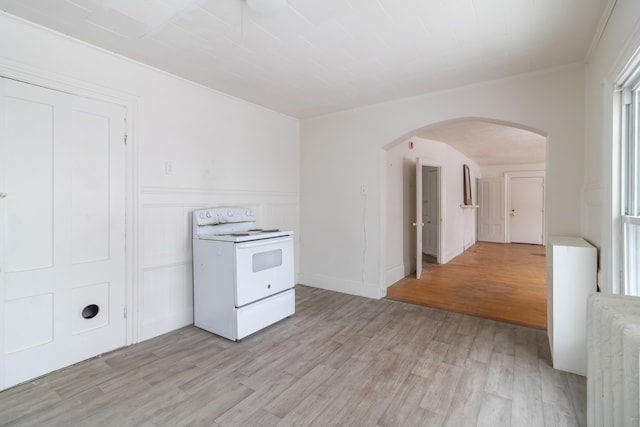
x=613 y=343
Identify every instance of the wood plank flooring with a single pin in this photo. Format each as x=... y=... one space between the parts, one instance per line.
x=340 y=360
x=498 y=281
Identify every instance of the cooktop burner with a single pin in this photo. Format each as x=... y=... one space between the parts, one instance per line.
x=231 y=225
x=254 y=232
x=245 y=236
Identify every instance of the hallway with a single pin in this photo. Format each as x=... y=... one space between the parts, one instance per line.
x=505 y=282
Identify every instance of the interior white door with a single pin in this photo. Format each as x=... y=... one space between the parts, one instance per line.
x=527 y=209
x=491 y=223
x=62 y=229
x=430 y=211
x=418 y=224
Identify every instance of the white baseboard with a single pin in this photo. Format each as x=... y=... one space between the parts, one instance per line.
x=156 y=328
x=369 y=290
x=396 y=273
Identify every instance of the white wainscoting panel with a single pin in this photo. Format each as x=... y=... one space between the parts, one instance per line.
x=166 y=235
x=167 y=299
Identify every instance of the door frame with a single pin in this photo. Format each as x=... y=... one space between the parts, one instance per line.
x=421 y=162
x=437 y=215
x=507 y=188
x=51 y=80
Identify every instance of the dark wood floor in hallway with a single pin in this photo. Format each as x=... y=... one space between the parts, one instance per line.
x=498 y=281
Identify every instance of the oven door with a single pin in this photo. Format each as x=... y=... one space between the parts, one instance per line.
x=263 y=268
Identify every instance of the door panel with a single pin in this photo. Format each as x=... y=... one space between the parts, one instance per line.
x=491 y=223
x=527 y=210
x=89 y=188
x=62 y=244
x=35 y=314
x=29 y=172
x=430 y=211
x=428 y=206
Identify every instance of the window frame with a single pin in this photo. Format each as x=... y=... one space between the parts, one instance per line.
x=629 y=173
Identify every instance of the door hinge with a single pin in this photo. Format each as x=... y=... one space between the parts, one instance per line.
x=125 y=139
x=124 y=312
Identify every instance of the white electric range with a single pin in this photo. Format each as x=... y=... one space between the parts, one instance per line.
x=243 y=277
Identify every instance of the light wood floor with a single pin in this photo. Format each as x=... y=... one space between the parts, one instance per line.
x=505 y=282
x=340 y=360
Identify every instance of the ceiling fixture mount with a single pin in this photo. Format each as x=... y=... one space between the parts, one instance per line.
x=266 y=7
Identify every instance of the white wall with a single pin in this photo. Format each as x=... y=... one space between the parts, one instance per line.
x=498 y=171
x=619 y=41
x=343 y=245
x=224 y=152
x=459 y=227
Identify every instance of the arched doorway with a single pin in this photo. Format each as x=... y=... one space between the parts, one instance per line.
x=497 y=153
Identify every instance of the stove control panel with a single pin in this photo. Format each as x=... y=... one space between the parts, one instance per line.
x=226 y=215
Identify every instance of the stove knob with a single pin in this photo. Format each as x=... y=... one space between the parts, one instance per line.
x=208 y=214
x=230 y=213
x=249 y=213
x=201 y=215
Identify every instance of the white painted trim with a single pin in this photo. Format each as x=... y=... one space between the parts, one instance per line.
x=612 y=209
x=62 y=83
x=627 y=60
x=383 y=274
x=50 y=80
x=634 y=220
x=369 y=290
x=602 y=25
x=395 y=273
x=452 y=253
x=507 y=187
x=625 y=65
x=2 y=251
x=133 y=225
x=440 y=259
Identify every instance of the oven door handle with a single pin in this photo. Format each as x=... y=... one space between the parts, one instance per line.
x=265 y=242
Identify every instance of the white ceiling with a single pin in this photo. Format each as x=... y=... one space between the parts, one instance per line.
x=490 y=143
x=320 y=56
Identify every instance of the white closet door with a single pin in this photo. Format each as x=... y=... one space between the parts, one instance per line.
x=62 y=230
x=527 y=209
